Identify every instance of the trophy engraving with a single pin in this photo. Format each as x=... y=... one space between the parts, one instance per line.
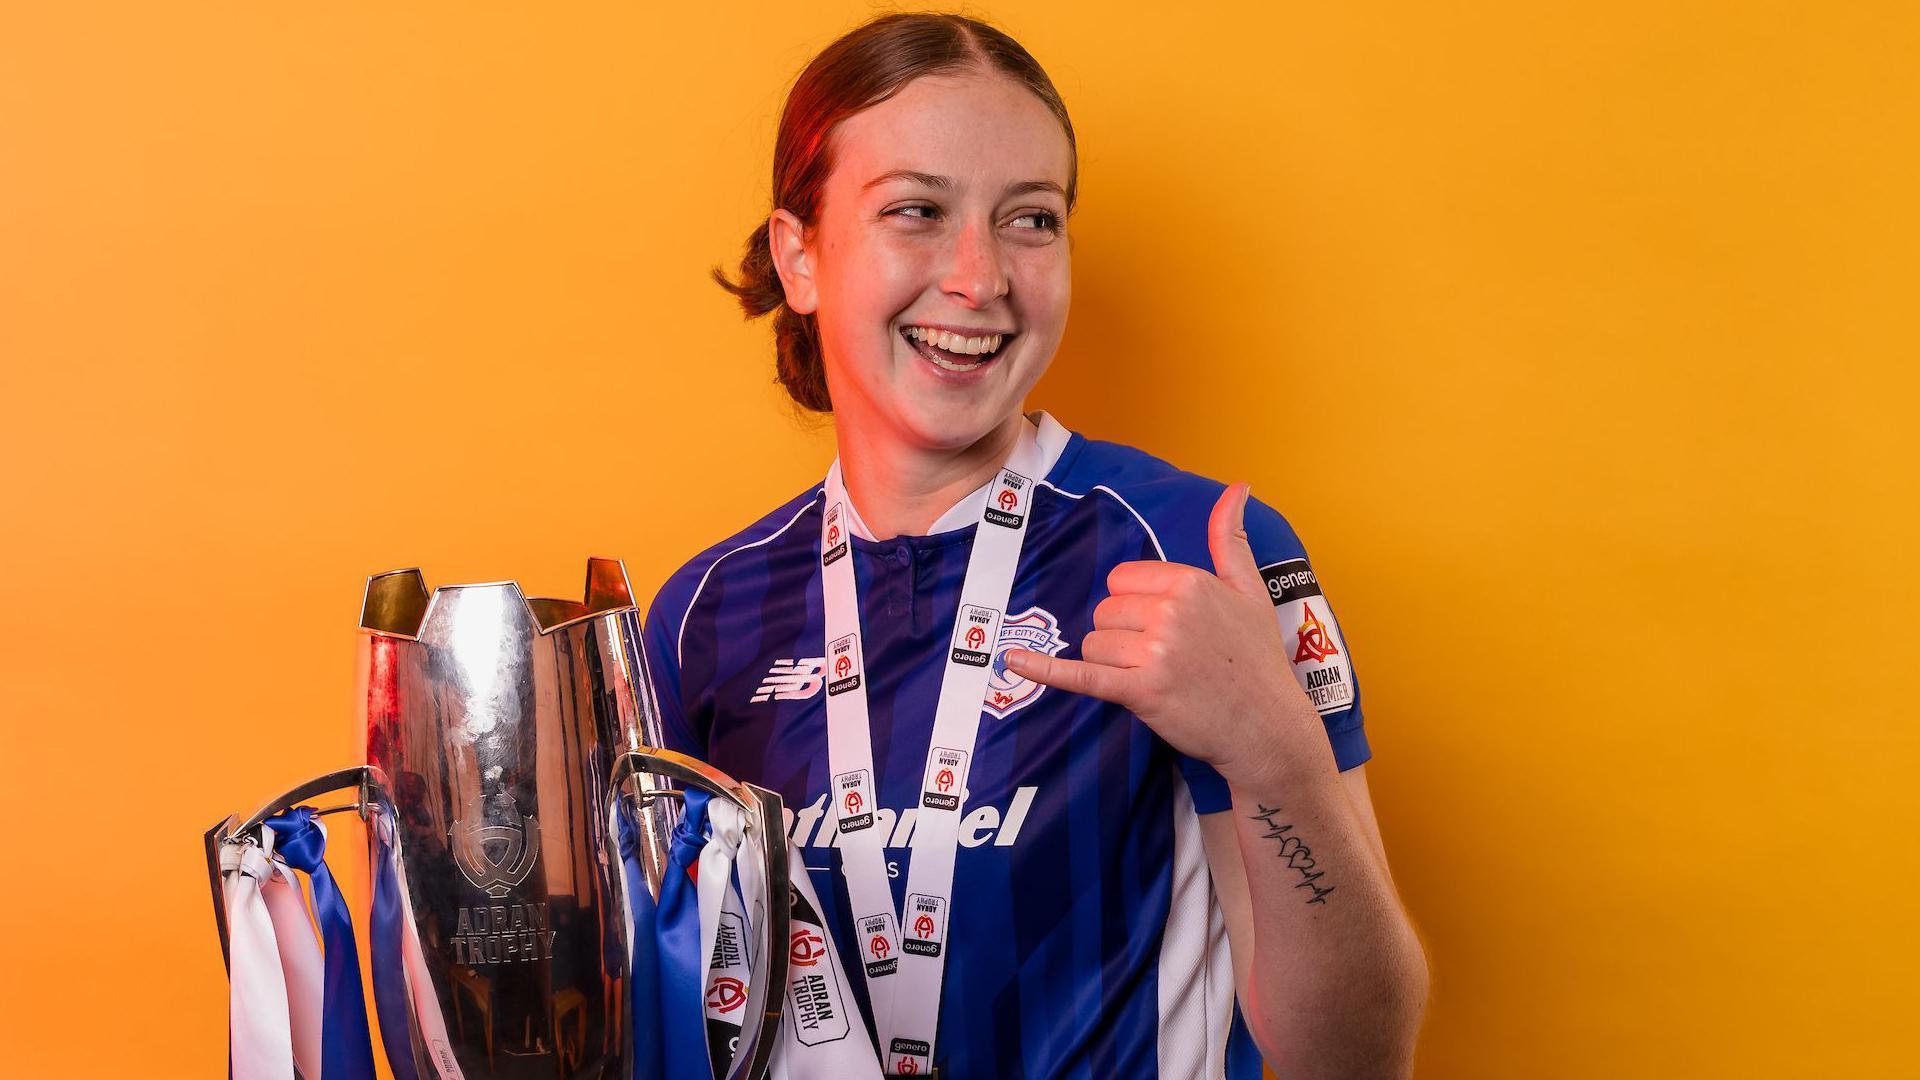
x=493 y=825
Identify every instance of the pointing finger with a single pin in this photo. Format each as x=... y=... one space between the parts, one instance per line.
x=1076 y=676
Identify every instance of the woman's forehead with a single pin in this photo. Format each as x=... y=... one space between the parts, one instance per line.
x=974 y=131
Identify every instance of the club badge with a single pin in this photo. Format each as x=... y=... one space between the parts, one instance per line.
x=1035 y=629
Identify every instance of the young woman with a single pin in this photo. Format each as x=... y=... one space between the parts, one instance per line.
x=1071 y=737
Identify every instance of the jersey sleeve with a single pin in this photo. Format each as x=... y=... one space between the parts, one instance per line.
x=659 y=640
x=1315 y=649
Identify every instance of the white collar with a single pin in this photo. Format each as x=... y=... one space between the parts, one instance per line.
x=1040 y=430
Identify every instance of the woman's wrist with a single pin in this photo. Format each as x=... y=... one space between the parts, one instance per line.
x=1282 y=755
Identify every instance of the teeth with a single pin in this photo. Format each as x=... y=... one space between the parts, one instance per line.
x=951 y=366
x=954 y=343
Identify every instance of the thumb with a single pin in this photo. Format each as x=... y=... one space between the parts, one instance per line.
x=1227 y=540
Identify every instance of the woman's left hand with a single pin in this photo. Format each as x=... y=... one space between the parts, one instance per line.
x=1199 y=657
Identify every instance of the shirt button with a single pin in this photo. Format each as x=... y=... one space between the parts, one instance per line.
x=902 y=555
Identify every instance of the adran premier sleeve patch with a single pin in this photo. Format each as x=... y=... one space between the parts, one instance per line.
x=1313 y=638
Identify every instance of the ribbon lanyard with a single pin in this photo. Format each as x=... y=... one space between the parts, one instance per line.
x=904 y=973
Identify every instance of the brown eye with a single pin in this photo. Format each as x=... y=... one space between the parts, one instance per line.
x=1046 y=221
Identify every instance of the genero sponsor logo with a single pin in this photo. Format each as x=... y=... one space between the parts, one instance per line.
x=843 y=664
x=946 y=778
x=1319 y=655
x=972 y=630
x=926 y=924
x=1007 y=505
x=834 y=542
x=876 y=944
x=910 y=1056
x=853 y=800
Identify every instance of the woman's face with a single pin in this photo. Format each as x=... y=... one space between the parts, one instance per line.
x=945 y=212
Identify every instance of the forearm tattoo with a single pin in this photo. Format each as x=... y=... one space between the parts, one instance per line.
x=1298 y=855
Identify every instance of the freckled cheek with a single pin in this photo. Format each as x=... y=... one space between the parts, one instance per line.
x=884 y=280
x=1042 y=286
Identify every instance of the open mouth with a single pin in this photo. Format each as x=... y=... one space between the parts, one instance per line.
x=957 y=353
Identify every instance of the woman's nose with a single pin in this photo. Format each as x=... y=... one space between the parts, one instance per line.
x=976 y=274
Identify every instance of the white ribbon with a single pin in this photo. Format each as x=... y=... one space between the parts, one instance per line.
x=301 y=963
x=812 y=1047
x=261 y=1037
x=726 y=827
x=821 y=1036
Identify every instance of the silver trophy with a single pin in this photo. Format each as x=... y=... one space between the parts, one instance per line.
x=512 y=744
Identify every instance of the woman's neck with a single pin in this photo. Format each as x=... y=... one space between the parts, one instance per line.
x=901 y=489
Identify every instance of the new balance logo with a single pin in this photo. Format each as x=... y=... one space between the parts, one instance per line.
x=792 y=680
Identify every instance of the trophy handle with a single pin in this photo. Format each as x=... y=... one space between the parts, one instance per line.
x=363 y=778
x=764 y=820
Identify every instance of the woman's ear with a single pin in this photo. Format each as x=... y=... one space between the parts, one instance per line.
x=787 y=241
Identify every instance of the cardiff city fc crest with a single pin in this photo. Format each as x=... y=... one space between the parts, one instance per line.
x=1036 y=629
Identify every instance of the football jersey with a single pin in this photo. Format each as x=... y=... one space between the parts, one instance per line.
x=1085 y=937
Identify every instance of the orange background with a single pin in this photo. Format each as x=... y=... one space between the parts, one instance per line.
x=1575 y=339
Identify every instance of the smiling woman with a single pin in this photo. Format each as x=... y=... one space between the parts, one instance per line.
x=1004 y=614
x=853 y=75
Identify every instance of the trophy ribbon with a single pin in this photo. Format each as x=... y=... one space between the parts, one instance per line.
x=394 y=934
x=387 y=921
x=643 y=967
x=346 y=1044
x=261 y=1038
x=822 y=1037
x=300 y=961
x=726 y=970
x=683 y=1027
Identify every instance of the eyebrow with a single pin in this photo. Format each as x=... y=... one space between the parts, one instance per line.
x=1018 y=187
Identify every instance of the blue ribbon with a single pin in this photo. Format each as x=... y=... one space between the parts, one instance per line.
x=389 y=959
x=346 y=1044
x=683 y=1014
x=643 y=969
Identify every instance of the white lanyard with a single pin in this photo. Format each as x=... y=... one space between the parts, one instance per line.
x=904 y=975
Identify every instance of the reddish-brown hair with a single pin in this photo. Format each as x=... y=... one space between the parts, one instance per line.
x=865 y=67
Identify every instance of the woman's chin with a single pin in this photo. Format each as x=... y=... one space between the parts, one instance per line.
x=947 y=425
